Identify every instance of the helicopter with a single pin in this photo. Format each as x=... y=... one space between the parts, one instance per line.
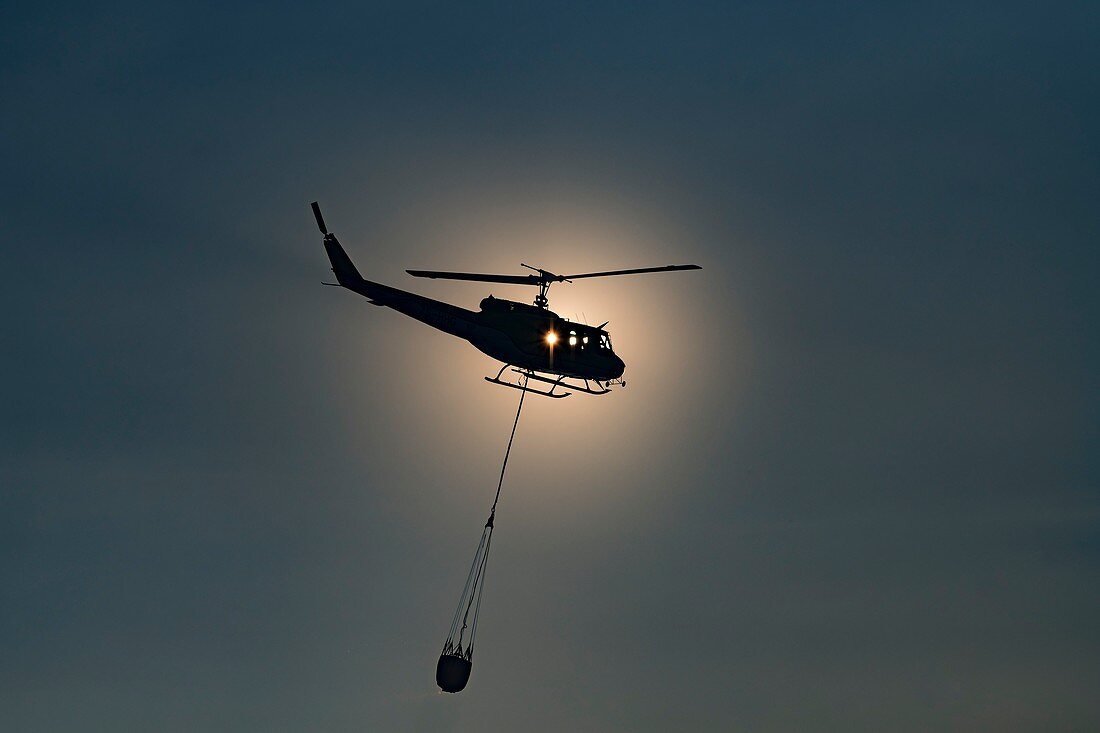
x=532 y=340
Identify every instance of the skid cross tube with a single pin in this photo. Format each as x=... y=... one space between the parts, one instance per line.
x=524 y=388
x=569 y=385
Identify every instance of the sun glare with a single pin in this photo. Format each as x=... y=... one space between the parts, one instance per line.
x=551 y=338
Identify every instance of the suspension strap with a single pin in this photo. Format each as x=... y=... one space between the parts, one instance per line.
x=507 y=452
x=478 y=569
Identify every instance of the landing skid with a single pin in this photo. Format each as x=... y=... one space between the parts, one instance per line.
x=555 y=382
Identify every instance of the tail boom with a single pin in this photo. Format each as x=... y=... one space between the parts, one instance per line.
x=435 y=313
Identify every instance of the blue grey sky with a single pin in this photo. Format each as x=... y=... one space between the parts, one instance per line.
x=854 y=481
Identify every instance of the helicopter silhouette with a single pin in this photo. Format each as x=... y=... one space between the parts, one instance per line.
x=532 y=340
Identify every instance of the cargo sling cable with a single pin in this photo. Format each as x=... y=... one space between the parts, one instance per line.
x=455 y=662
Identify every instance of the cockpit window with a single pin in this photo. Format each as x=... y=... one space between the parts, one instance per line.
x=605 y=341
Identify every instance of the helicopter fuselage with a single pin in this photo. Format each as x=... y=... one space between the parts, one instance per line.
x=519 y=334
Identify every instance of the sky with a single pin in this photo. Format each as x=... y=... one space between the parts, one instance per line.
x=853 y=482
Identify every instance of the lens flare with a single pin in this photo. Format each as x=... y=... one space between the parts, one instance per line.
x=551 y=338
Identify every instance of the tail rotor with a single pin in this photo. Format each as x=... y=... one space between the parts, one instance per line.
x=342 y=267
x=320 y=219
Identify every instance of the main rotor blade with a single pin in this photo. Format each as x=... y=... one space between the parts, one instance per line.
x=477 y=277
x=637 y=271
x=545 y=277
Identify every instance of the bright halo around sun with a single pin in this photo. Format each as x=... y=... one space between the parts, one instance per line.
x=551 y=338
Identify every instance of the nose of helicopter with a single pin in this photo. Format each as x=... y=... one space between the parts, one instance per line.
x=618 y=366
